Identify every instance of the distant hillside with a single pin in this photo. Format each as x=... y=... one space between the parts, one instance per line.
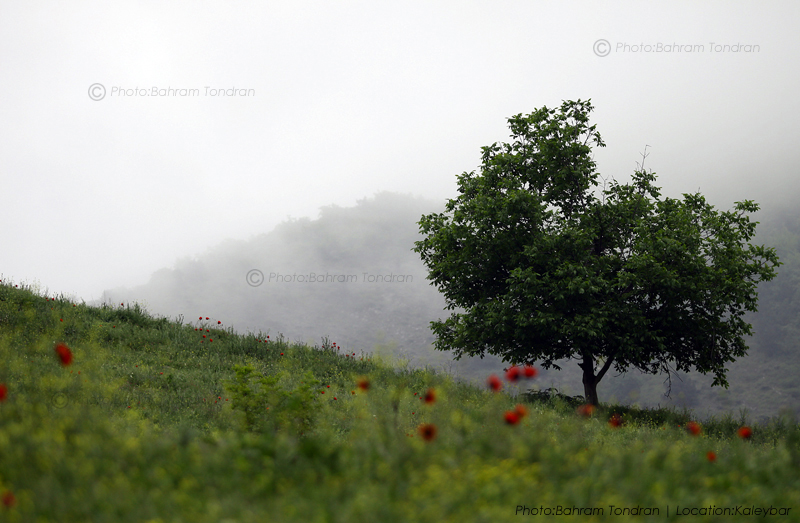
x=384 y=306
x=384 y=303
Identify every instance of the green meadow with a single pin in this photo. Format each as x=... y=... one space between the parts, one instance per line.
x=108 y=414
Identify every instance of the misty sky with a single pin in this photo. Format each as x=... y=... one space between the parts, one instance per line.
x=336 y=101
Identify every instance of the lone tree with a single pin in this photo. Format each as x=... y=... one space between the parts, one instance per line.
x=545 y=271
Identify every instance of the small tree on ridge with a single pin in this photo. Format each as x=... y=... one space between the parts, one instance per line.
x=545 y=271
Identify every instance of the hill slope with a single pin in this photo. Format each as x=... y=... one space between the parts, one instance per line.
x=391 y=315
x=110 y=414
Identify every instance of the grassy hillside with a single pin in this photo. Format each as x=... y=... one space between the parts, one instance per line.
x=110 y=414
x=376 y=237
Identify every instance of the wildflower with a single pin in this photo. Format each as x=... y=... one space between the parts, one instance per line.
x=3 y=392
x=512 y=418
x=430 y=396
x=363 y=384
x=615 y=421
x=711 y=456
x=745 y=432
x=8 y=499
x=64 y=353
x=427 y=431
x=494 y=383
x=693 y=428
x=521 y=411
x=529 y=372
x=586 y=410
x=513 y=373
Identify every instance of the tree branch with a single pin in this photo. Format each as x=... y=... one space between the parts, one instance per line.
x=605 y=368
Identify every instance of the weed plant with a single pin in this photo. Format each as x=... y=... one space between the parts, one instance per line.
x=136 y=418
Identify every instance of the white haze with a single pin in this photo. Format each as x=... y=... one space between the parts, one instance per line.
x=350 y=99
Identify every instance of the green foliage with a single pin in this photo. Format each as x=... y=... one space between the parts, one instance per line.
x=546 y=271
x=273 y=407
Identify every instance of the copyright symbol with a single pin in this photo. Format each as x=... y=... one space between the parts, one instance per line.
x=59 y=400
x=97 y=92
x=255 y=278
x=601 y=47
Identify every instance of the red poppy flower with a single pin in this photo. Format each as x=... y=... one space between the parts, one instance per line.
x=427 y=431
x=494 y=383
x=8 y=499
x=513 y=373
x=586 y=410
x=693 y=428
x=430 y=396
x=711 y=456
x=512 y=418
x=64 y=353
x=529 y=371
x=363 y=384
x=521 y=411
x=615 y=421
x=745 y=432
x=3 y=391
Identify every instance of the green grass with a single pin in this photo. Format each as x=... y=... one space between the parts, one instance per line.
x=153 y=422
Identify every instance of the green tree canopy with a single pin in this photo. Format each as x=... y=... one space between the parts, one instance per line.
x=546 y=271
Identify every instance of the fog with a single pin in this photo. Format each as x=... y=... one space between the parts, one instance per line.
x=145 y=141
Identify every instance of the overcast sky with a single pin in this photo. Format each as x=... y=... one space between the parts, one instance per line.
x=330 y=102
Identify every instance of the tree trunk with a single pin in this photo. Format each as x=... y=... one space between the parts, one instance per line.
x=590 y=379
x=590 y=385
